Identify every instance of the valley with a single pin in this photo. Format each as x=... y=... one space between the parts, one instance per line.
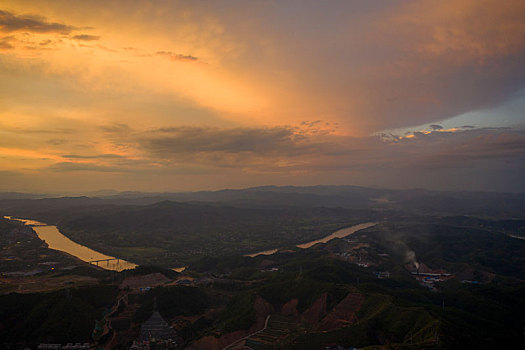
x=411 y=280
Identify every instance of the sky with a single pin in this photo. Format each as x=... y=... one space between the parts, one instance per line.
x=194 y=95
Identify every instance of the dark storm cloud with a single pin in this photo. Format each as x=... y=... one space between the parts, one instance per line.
x=450 y=159
x=168 y=142
x=177 y=56
x=246 y=146
x=86 y=37
x=487 y=159
x=478 y=150
x=485 y=144
x=10 y=22
x=442 y=150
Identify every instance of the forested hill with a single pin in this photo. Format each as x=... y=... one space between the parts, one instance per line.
x=482 y=204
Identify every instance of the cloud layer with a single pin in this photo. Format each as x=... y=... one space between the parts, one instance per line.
x=302 y=92
x=10 y=22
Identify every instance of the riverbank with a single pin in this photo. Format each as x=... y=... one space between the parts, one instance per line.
x=337 y=234
x=57 y=241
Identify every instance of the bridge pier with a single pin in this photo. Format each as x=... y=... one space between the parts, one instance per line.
x=101 y=260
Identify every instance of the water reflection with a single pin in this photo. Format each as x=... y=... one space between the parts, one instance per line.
x=265 y=252
x=337 y=234
x=56 y=240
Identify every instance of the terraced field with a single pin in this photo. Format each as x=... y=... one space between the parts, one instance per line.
x=277 y=332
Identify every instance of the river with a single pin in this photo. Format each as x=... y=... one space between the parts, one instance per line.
x=56 y=240
x=337 y=234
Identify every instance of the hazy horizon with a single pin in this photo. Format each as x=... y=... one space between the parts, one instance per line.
x=113 y=192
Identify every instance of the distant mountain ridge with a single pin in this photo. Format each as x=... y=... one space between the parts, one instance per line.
x=20 y=195
x=484 y=204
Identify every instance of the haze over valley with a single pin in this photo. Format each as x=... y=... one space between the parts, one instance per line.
x=251 y=175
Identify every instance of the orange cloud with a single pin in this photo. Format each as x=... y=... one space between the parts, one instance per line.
x=27 y=153
x=297 y=80
x=10 y=22
x=466 y=31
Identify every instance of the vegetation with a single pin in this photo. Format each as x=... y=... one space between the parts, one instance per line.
x=467 y=250
x=56 y=317
x=173 y=301
x=239 y=313
x=478 y=305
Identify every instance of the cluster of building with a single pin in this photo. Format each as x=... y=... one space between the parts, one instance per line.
x=271 y=269
x=354 y=258
x=382 y=274
x=338 y=347
x=429 y=279
x=355 y=253
x=155 y=334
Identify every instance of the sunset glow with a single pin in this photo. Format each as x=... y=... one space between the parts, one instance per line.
x=184 y=95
